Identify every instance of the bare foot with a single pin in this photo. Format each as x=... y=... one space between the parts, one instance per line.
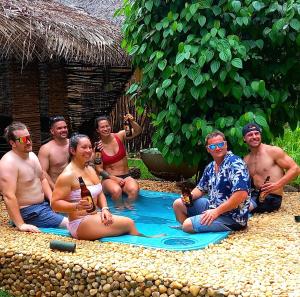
x=119 y=206
x=128 y=205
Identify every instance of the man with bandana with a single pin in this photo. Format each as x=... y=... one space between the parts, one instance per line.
x=270 y=170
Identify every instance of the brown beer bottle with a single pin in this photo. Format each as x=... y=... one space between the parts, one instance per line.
x=187 y=197
x=86 y=194
x=127 y=128
x=98 y=159
x=261 y=199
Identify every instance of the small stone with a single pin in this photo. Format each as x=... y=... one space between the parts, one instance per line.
x=194 y=290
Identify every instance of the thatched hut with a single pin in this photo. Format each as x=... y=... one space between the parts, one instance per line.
x=56 y=59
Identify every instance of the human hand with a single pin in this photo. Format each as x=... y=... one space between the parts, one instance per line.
x=29 y=228
x=129 y=117
x=120 y=181
x=99 y=145
x=106 y=217
x=83 y=204
x=269 y=187
x=209 y=216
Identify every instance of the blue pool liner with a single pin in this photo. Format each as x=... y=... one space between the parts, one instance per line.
x=153 y=214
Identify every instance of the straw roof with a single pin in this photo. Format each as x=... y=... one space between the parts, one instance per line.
x=47 y=30
x=98 y=8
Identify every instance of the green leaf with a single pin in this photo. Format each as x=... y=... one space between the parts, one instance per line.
x=216 y=10
x=214 y=66
x=237 y=92
x=201 y=20
x=166 y=83
x=237 y=62
x=255 y=86
x=132 y=88
x=167 y=72
x=236 y=5
x=179 y=58
x=159 y=54
x=181 y=84
x=195 y=92
x=162 y=64
x=223 y=55
x=295 y=24
x=198 y=80
x=257 y=5
x=194 y=8
x=149 y=5
x=261 y=121
x=169 y=139
x=133 y=50
x=223 y=75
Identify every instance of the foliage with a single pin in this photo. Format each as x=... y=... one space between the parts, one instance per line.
x=290 y=143
x=145 y=174
x=212 y=64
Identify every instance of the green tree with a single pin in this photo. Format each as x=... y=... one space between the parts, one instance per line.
x=214 y=65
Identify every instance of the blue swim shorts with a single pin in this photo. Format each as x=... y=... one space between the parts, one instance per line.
x=41 y=215
x=222 y=223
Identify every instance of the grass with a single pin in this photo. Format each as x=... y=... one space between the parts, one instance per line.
x=145 y=174
x=4 y=294
x=290 y=143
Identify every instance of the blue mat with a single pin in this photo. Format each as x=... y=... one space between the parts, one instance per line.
x=153 y=214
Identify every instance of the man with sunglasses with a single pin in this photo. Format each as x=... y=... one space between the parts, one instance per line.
x=23 y=184
x=221 y=198
x=54 y=155
x=270 y=169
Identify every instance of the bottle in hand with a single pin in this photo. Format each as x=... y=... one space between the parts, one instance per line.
x=261 y=198
x=187 y=197
x=127 y=127
x=86 y=194
x=98 y=159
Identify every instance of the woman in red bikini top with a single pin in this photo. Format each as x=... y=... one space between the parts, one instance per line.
x=114 y=168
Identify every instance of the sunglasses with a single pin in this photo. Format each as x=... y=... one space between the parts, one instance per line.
x=212 y=147
x=23 y=139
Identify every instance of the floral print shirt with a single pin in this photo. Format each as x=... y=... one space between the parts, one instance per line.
x=233 y=175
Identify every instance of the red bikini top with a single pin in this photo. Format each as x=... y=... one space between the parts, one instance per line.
x=107 y=160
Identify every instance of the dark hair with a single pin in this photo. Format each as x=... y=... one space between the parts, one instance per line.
x=214 y=134
x=100 y=118
x=74 y=140
x=9 y=130
x=55 y=119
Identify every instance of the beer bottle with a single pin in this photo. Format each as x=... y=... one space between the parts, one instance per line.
x=98 y=159
x=187 y=197
x=86 y=194
x=261 y=199
x=127 y=128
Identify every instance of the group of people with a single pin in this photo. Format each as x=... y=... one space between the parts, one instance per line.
x=36 y=189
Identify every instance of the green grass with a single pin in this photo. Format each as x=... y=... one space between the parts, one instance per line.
x=4 y=294
x=145 y=174
x=290 y=143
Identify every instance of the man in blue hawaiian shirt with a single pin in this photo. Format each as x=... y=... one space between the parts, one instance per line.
x=226 y=182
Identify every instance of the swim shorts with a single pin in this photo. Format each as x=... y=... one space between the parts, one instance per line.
x=271 y=202
x=41 y=215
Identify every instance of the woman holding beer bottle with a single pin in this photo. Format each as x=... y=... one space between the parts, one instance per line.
x=114 y=166
x=78 y=192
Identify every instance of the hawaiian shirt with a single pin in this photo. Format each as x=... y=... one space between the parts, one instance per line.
x=233 y=175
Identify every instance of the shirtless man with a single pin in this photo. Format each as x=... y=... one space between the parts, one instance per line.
x=54 y=155
x=114 y=168
x=24 y=185
x=270 y=169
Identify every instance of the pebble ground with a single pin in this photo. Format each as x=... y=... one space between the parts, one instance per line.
x=260 y=261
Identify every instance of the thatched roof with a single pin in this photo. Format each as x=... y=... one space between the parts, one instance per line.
x=47 y=30
x=103 y=9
